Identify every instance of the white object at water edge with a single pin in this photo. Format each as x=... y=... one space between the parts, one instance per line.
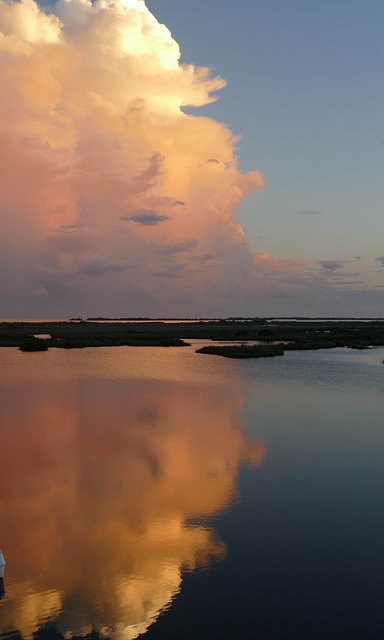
x=2 y=564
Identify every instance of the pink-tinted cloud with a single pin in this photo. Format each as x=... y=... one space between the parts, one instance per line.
x=265 y=263
x=93 y=136
x=113 y=200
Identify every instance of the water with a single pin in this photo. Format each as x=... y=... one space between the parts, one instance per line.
x=163 y=494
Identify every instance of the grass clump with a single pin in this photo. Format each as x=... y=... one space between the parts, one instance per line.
x=243 y=350
x=33 y=344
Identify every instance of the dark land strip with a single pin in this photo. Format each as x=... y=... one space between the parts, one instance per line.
x=295 y=335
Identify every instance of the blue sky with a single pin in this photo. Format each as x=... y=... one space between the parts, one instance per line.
x=306 y=95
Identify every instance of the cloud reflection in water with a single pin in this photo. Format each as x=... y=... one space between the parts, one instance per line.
x=104 y=487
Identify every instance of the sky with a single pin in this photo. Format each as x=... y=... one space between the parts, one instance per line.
x=191 y=159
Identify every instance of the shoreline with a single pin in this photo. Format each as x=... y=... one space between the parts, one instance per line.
x=301 y=335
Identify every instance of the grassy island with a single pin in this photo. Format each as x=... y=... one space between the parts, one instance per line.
x=33 y=344
x=243 y=351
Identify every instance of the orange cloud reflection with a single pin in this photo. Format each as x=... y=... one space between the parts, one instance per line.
x=101 y=486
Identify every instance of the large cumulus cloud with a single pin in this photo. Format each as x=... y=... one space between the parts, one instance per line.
x=114 y=199
x=92 y=136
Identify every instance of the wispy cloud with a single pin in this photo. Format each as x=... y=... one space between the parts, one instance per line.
x=332 y=265
x=264 y=262
x=99 y=267
x=145 y=217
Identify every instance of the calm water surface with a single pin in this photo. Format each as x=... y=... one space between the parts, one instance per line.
x=163 y=494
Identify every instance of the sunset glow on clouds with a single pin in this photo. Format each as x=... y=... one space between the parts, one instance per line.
x=115 y=200
x=112 y=197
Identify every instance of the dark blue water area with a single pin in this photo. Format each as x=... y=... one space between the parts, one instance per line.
x=305 y=555
x=248 y=504
x=301 y=563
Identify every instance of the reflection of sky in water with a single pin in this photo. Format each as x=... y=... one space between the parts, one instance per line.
x=113 y=462
x=104 y=488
